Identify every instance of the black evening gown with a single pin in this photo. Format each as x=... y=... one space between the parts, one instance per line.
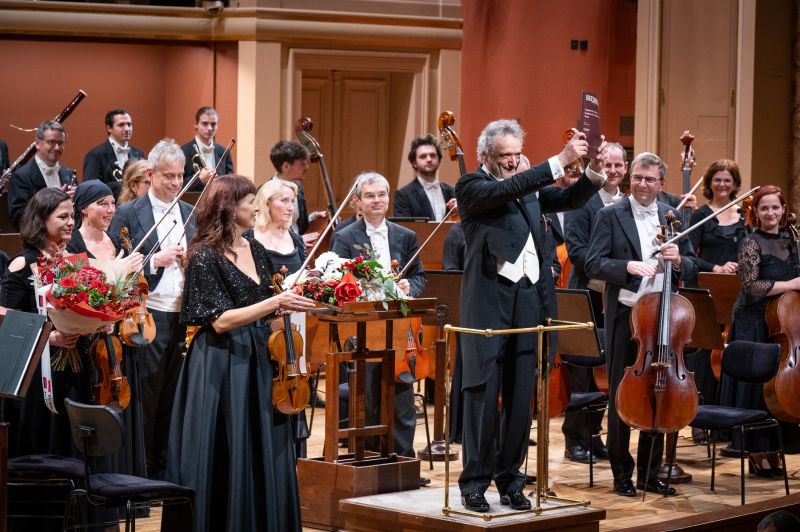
x=714 y=245
x=763 y=258
x=225 y=440
x=130 y=460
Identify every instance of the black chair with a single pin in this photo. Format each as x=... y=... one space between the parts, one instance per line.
x=589 y=402
x=751 y=362
x=39 y=486
x=99 y=431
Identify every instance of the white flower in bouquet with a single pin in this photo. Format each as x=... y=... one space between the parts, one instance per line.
x=329 y=266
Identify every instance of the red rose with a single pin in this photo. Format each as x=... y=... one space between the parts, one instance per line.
x=81 y=297
x=359 y=259
x=332 y=283
x=347 y=290
x=68 y=282
x=297 y=289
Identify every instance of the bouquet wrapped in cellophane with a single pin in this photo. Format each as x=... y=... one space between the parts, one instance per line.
x=84 y=297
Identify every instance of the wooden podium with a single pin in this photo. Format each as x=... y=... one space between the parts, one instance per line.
x=325 y=480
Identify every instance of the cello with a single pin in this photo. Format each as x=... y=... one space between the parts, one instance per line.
x=450 y=139
x=657 y=393
x=782 y=391
x=290 y=388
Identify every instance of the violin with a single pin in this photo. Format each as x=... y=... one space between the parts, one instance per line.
x=111 y=386
x=657 y=393
x=414 y=364
x=138 y=327
x=290 y=388
x=781 y=392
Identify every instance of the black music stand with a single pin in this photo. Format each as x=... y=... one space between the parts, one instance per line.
x=445 y=286
x=19 y=357
x=575 y=305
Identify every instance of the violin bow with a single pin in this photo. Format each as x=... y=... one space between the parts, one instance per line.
x=323 y=233
x=152 y=251
x=419 y=250
x=183 y=191
x=196 y=203
x=682 y=234
x=692 y=191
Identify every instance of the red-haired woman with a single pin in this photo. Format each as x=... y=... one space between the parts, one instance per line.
x=226 y=441
x=767 y=267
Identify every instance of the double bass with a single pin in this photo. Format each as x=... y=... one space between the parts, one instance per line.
x=302 y=129
x=657 y=393
x=782 y=391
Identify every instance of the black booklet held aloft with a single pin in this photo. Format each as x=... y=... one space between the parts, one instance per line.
x=590 y=121
x=21 y=344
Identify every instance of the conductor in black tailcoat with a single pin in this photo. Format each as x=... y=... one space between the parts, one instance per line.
x=106 y=161
x=621 y=242
x=507 y=283
x=202 y=152
x=425 y=196
x=391 y=242
x=43 y=171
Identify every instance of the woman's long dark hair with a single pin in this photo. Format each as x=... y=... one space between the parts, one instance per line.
x=33 y=226
x=215 y=214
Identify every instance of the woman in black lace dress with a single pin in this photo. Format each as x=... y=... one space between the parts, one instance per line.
x=767 y=267
x=226 y=441
x=715 y=244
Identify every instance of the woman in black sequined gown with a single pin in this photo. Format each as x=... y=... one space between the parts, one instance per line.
x=767 y=267
x=226 y=441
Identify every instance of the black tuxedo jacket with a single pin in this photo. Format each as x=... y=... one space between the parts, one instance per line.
x=613 y=243
x=190 y=150
x=302 y=210
x=100 y=163
x=26 y=182
x=577 y=229
x=495 y=227
x=4 y=162
x=402 y=246
x=137 y=216
x=411 y=200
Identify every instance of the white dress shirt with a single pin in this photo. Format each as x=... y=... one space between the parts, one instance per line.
x=120 y=151
x=167 y=295
x=379 y=240
x=435 y=197
x=647 y=225
x=206 y=151
x=50 y=173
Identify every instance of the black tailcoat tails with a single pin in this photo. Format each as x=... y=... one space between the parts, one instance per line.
x=497 y=216
x=615 y=242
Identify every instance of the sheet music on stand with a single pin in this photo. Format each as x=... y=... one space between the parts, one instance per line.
x=23 y=336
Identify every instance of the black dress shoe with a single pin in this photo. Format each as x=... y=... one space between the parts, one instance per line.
x=577 y=453
x=599 y=449
x=625 y=487
x=475 y=502
x=516 y=500
x=424 y=481
x=656 y=486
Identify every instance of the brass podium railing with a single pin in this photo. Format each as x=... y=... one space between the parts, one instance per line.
x=542 y=427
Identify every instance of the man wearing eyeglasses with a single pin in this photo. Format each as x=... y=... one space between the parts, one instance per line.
x=43 y=171
x=622 y=239
x=507 y=283
x=106 y=161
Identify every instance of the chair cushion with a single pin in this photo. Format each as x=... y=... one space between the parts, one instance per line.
x=137 y=489
x=578 y=400
x=714 y=417
x=46 y=464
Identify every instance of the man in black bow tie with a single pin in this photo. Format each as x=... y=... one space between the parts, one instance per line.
x=202 y=152
x=620 y=246
x=425 y=196
x=105 y=161
x=43 y=171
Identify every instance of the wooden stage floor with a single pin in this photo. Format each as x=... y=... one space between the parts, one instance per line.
x=571 y=480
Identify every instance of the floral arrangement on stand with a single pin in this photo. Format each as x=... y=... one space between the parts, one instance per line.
x=334 y=280
x=82 y=299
